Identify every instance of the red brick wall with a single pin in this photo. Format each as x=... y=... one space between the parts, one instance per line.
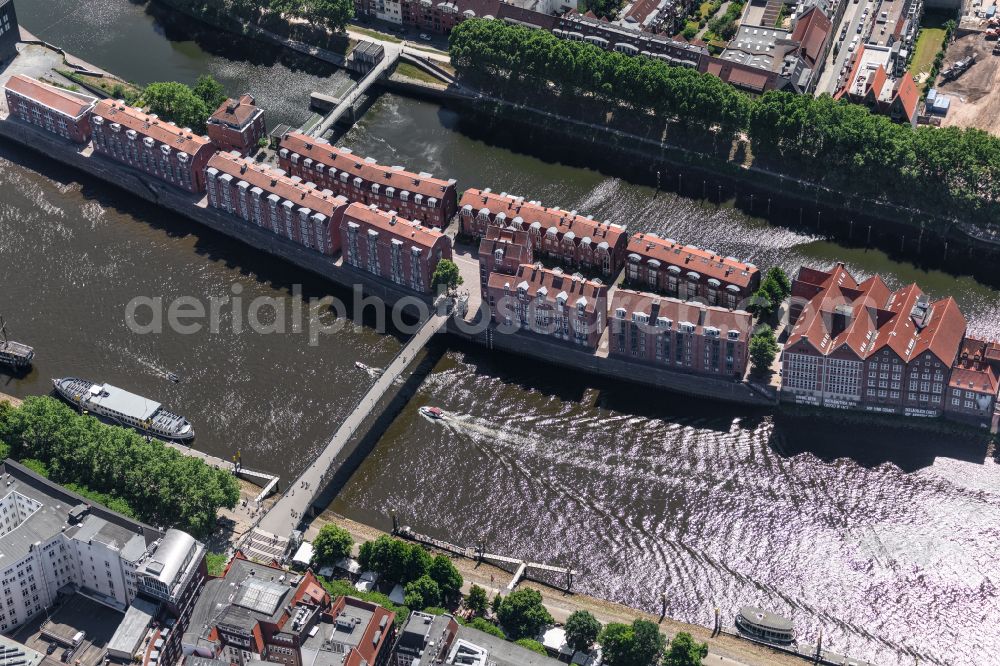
x=437 y=216
x=280 y=219
x=375 y=254
x=76 y=130
x=118 y=146
x=245 y=142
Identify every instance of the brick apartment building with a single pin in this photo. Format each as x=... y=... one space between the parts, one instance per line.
x=871 y=83
x=268 y=199
x=679 y=335
x=173 y=154
x=549 y=302
x=393 y=248
x=565 y=236
x=238 y=124
x=865 y=346
x=57 y=111
x=502 y=250
x=974 y=383
x=415 y=196
x=688 y=272
x=256 y=612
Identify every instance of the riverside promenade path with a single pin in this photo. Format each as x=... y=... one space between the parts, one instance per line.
x=270 y=538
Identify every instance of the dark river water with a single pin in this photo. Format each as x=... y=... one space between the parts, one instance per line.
x=887 y=541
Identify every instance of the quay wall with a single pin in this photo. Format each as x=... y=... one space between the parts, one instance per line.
x=538 y=348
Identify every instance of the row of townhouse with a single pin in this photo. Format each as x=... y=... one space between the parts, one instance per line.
x=862 y=345
x=416 y=196
x=646 y=328
x=688 y=272
x=145 y=142
x=50 y=108
x=566 y=237
x=380 y=242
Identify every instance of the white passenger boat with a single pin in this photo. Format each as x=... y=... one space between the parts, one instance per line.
x=765 y=626
x=124 y=408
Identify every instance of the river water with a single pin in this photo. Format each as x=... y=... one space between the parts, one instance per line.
x=887 y=541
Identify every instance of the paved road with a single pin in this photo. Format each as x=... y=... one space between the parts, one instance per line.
x=828 y=82
x=288 y=511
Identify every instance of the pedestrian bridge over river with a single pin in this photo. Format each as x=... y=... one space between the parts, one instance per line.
x=270 y=539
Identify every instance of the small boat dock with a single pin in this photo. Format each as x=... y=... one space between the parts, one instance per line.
x=521 y=568
x=14 y=354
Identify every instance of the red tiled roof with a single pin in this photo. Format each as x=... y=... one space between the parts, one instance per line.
x=155 y=128
x=563 y=221
x=272 y=182
x=516 y=243
x=979 y=380
x=555 y=282
x=393 y=225
x=345 y=160
x=236 y=112
x=908 y=95
x=754 y=80
x=60 y=100
x=689 y=257
x=876 y=318
x=682 y=311
x=811 y=31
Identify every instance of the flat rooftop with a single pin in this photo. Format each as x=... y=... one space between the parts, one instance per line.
x=504 y=653
x=77 y=613
x=124 y=402
x=756 y=46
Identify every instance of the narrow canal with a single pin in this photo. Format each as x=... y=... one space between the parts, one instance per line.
x=885 y=540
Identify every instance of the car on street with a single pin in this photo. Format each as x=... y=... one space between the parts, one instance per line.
x=424 y=36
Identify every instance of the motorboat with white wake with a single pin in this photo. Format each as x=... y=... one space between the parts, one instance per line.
x=127 y=409
x=433 y=413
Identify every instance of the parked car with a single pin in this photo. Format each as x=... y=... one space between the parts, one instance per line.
x=424 y=36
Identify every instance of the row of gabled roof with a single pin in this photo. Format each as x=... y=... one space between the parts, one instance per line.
x=555 y=287
x=649 y=247
x=344 y=160
x=516 y=210
x=867 y=317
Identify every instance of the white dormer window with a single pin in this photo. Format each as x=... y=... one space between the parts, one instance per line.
x=404 y=195
x=498 y=255
x=343 y=176
x=418 y=199
x=375 y=188
x=357 y=182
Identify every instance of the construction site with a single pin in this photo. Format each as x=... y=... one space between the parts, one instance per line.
x=973 y=59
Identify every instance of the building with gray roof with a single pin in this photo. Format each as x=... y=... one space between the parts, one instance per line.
x=53 y=541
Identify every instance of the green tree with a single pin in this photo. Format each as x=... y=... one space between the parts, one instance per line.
x=396 y=560
x=496 y=604
x=444 y=573
x=533 y=645
x=522 y=614
x=638 y=644
x=477 y=602
x=36 y=466
x=487 y=627
x=334 y=14
x=216 y=563
x=446 y=273
x=160 y=484
x=210 y=91
x=331 y=544
x=178 y=103
x=421 y=593
x=685 y=651
x=582 y=629
x=763 y=350
x=779 y=283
